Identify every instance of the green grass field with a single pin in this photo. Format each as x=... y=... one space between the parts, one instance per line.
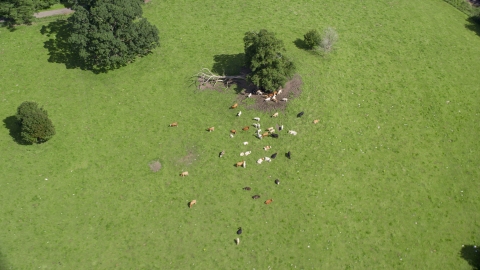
x=386 y=180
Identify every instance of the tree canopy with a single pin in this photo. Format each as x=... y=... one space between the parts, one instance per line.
x=21 y=11
x=36 y=127
x=111 y=33
x=270 y=69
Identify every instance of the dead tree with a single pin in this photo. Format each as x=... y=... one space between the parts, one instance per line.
x=206 y=76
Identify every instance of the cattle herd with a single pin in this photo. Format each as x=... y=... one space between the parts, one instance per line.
x=259 y=134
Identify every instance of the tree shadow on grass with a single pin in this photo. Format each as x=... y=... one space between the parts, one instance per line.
x=58 y=48
x=472 y=255
x=12 y=124
x=233 y=65
x=301 y=44
x=473 y=25
x=228 y=64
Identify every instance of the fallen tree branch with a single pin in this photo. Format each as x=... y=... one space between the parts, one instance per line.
x=206 y=76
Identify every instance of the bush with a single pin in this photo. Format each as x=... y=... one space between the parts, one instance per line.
x=312 y=39
x=329 y=38
x=35 y=126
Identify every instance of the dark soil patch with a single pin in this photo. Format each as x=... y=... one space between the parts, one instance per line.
x=243 y=88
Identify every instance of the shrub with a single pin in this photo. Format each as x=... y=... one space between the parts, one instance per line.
x=35 y=126
x=329 y=39
x=312 y=39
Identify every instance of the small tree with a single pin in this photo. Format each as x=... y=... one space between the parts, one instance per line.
x=264 y=56
x=111 y=33
x=329 y=38
x=312 y=39
x=36 y=127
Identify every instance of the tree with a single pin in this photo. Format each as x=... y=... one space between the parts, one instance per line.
x=312 y=39
x=35 y=126
x=111 y=33
x=270 y=69
x=21 y=11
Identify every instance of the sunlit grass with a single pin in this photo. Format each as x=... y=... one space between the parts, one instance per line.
x=387 y=179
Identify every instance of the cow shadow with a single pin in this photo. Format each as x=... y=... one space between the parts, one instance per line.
x=13 y=125
x=472 y=255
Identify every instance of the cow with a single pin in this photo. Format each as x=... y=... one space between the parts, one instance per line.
x=210 y=129
x=275 y=114
x=300 y=114
x=234 y=106
x=184 y=174
x=174 y=124
x=192 y=203
x=269 y=201
x=246 y=128
x=240 y=164
x=315 y=121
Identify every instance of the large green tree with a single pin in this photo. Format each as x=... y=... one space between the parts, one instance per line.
x=270 y=69
x=21 y=11
x=111 y=33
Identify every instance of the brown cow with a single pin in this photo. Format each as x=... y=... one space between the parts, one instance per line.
x=265 y=134
x=234 y=106
x=315 y=121
x=269 y=201
x=240 y=164
x=210 y=129
x=174 y=124
x=246 y=128
x=233 y=131
x=192 y=203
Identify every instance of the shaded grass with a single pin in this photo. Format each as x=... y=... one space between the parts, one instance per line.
x=387 y=179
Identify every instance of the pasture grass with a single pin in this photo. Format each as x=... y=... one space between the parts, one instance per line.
x=387 y=179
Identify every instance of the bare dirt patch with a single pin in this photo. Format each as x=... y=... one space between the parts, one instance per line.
x=243 y=88
x=155 y=166
x=189 y=158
